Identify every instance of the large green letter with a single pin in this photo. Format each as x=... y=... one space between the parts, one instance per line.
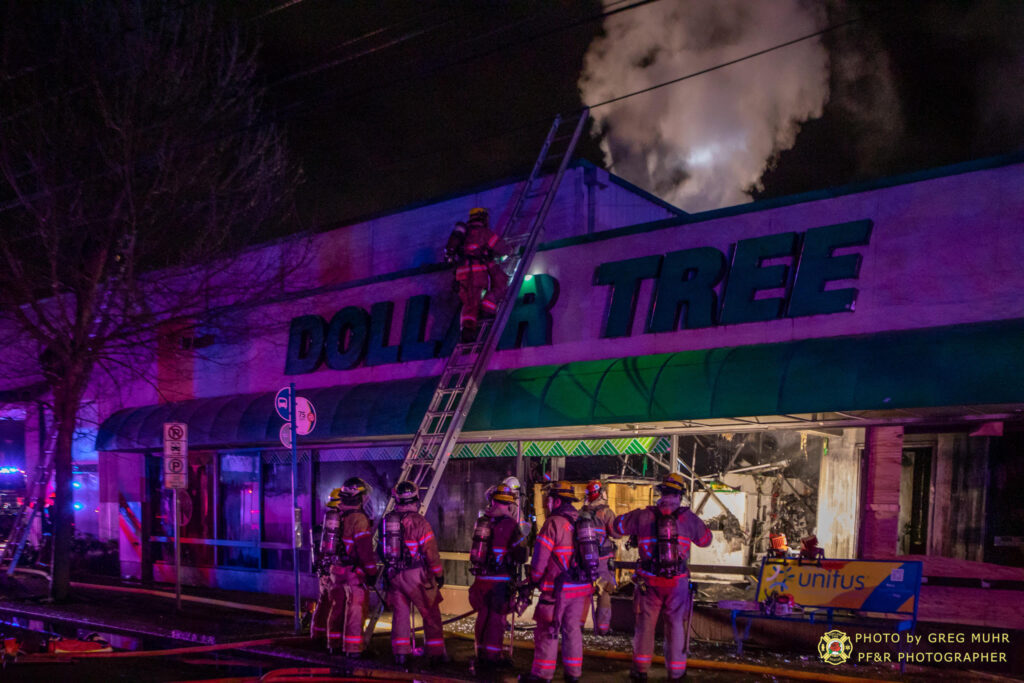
x=624 y=278
x=818 y=266
x=688 y=278
x=747 y=276
x=529 y=324
x=305 y=345
x=346 y=338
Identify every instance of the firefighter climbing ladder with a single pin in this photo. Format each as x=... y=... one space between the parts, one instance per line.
x=435 y=439
x=33 y=506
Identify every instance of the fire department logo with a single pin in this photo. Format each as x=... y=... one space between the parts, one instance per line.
x=835 y=647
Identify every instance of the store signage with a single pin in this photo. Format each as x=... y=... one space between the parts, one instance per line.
x=878 y=586
x=684 y=295
x=354 y=336
x=786 y=275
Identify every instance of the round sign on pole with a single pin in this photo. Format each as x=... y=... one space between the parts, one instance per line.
x=305 y=416
x=283 y=403
x=286 y=435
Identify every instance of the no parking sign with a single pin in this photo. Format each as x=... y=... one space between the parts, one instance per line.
x=175 y=455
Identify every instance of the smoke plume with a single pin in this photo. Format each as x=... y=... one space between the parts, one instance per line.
x=703 y=142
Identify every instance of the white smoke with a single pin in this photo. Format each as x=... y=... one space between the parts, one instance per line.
x=703 y=142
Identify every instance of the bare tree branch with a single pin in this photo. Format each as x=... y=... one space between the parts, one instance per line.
x=136 y=171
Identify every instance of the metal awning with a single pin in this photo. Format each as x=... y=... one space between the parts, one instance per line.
x=847 y=380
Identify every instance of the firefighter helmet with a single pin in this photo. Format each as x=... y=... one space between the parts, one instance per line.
x=594 y=490
x=562 y=490
x=478 y=213
x=672 y=485
x=405 y=492
x=503 y=494
x=512 y=483
x=353 y=491
x=334 y=498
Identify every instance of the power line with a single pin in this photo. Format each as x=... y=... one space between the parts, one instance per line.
x=288 y=112
x=539 y=121
x=336 y=93
x=536 y=122
x=752 y=55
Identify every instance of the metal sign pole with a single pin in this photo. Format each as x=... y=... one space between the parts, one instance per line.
x=175 y=466
x=295 y=505
x=177 y=552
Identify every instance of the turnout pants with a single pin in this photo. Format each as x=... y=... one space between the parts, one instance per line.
x=604 y=585
x=474 y=279
x=347 y=596
x=654 y=595
x=560 y=612
x=489 y=596
x=318 y=628
x=411 y=587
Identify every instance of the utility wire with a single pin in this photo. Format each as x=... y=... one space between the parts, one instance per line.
x=337 y=93
x=546 y=121
x=536 y=122
x=744 y=58
x=276 y=116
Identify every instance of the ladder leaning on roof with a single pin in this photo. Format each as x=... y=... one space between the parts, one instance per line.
x=33 y=506
x=435 y=439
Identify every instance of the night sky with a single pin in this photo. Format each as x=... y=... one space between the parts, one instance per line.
x=388 y=104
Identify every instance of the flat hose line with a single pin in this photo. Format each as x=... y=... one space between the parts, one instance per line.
x=716 y=665
x=605 y=654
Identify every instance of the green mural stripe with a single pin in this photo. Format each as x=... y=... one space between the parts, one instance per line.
x=557 y=450
x=532 y=451
x=582 y=449
x=635 y=447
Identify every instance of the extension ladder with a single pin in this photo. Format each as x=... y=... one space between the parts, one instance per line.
x=439 y=430
x=33 y=506
x=435 y=439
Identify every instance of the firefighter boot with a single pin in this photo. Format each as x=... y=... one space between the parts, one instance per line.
x=572 y=679
x=400 y=660
x=638 y=677
x=468 y=333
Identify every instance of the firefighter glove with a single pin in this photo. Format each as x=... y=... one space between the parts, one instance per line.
x=440 y=580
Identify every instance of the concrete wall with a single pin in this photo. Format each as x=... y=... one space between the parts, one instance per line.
x=839 y=494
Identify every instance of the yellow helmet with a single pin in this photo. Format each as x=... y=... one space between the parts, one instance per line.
x=478 y=212
x=335 y=498
x=503 y=494
x=563 y=490
x=673 y=484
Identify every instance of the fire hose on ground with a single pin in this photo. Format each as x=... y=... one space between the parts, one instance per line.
x=604 y=654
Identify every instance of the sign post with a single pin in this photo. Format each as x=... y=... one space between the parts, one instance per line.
x=175 y=478
x=300 y=418
x=295 y=498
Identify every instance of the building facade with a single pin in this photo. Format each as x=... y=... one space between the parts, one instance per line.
x=846 y=364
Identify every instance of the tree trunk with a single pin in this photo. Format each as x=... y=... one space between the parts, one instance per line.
x=66 y=413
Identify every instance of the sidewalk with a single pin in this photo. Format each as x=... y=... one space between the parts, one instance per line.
x=130 y=610
x=154 y=623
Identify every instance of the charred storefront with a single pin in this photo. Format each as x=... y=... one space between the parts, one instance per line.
x=845 y=365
